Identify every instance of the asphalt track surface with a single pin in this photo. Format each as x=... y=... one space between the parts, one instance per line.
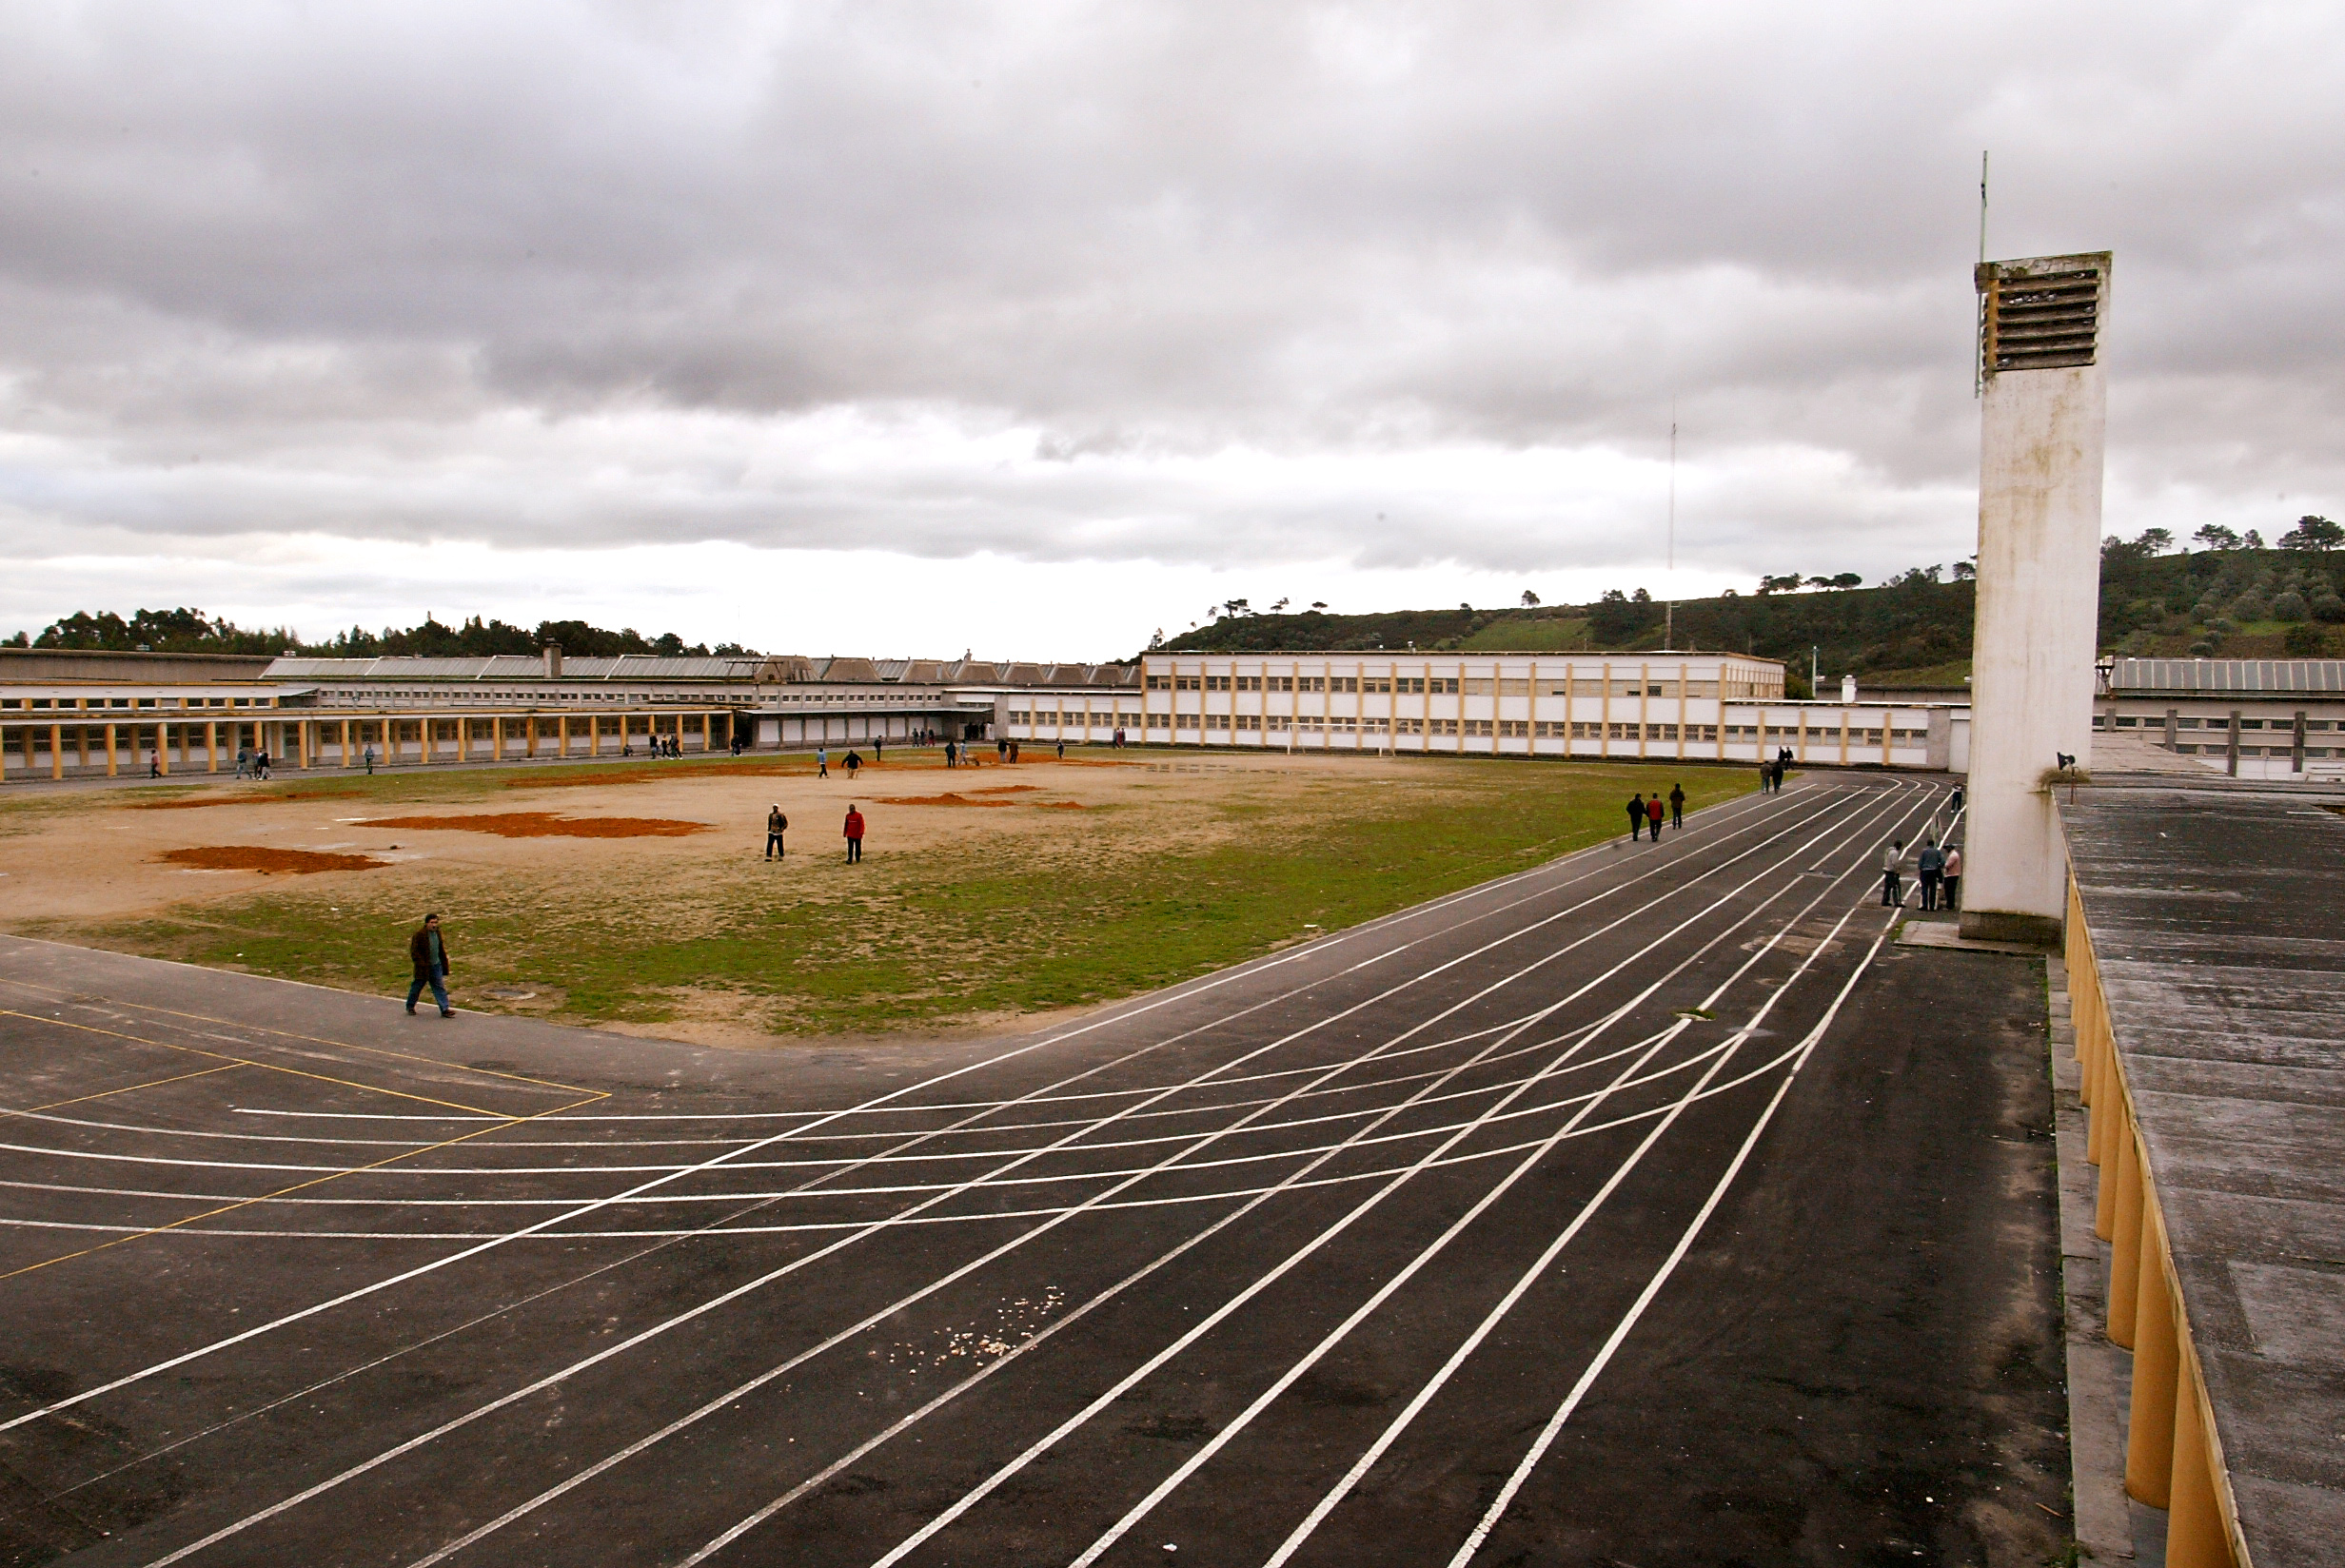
x=1341 y=1255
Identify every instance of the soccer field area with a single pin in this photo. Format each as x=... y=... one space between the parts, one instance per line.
x=634 y=896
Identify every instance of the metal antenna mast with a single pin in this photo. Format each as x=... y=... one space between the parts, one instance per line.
x=1669 y=611
x=1979 y=368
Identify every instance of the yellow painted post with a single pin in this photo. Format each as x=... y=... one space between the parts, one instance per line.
x=2125 y=1245
x=561 y=724
x=1645 y=707
x=2195 y=1533
x=211 y=747
x=163 y=747
x=112 y=757
x=2112 y=1163
x=2149 y=1447
x=56 y=750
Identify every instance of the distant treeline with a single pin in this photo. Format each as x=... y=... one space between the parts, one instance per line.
x=185 y=631
x=2239 y=598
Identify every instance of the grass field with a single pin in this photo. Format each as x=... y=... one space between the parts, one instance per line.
x=957 y=918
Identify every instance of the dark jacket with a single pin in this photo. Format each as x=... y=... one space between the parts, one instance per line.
x=419 y=952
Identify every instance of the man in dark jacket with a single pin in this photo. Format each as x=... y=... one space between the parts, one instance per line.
x=775 y=825
x=1636 y=815
x=1677 y=805
x=429 y=954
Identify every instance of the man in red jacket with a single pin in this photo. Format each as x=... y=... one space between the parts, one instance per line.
x=855 y=835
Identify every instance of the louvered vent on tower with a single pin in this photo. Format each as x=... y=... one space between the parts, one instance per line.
x=2041 y=314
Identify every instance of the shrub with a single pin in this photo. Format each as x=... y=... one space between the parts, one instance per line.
x=2304 y=643
x=2289 y=606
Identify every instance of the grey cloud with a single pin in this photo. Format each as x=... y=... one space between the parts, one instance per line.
x=385 y=270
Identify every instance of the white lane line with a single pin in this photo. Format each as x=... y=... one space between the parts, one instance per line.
x=705 y=1306
x=1343 y=1330
x=1148 y=1367
x=1595 y=1368
x=1162 y=999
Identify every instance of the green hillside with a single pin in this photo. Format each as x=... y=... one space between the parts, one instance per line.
x=1914 y=631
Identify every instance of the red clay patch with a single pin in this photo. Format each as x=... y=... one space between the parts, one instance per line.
x=1058 y=805
x=241 y=800
x=543 y=825
x=253 y=857
x=1008 y=788
x=948 y=798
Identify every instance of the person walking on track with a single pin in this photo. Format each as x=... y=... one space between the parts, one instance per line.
x=1892 y=860
x=1652 y=813
x=822 y=762
x=775 y=825
x=855 y=835
x=1677 y=805
x=1636 y=815
x=428 y=953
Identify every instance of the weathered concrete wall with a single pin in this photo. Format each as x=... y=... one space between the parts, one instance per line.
x=2039 y=480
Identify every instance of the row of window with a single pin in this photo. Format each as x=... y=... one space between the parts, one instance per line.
x=1439 y=685
x=1515 y=728
x=2158 y=721
x=100 y=704
x=2192 y=750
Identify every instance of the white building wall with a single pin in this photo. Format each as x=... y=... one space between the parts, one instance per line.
x=1675 y=707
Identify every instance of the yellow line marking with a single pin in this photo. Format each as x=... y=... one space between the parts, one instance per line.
x=127 y=1089
x=313 y=1039
x=244 y=1061
x=283 y=1191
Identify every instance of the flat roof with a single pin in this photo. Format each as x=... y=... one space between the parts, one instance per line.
x=2217 y=912
x=2228 y=677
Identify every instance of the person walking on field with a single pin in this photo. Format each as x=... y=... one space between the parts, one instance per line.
x=1892 y=890
x=855 y=835
x=775 y=825
x=428 y=953
x=371 y=759
x=1931 y=864
x=952 y=755
x=1677 y=805
x=1954 y=876
x=1062 y=751
x=855 y=765
x=1652 y=813
x=822 y=762
x=1636 y=815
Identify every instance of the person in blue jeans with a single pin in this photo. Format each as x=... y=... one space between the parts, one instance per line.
x=429 y=954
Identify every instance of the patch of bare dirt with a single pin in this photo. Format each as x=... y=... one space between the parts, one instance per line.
x=543 y=825
x=948 y=798
x=198 y=802
x=255 y=857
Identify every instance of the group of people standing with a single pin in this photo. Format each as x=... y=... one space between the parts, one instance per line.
x=778 y=825
x=1771 y=772
x=1644 y=812
x=1938 y=870
x=249 y=763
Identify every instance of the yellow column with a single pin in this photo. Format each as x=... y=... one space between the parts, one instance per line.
x=111 y=759
x=2195 y=1533
x=306 y=740
x=2149 y=1448
x=56 y=750
x=2125 y=1245
x=162 y=747
x=563 y=741
x=1603 y=720
x=2113 y=1150
x=211 y=746
x=1644 y=684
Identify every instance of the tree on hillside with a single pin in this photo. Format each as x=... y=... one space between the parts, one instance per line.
x=1530 y=600
x=2312 y=533
x=2215 y=537
x=2155 y=540
x=1784 y=584
x=1965 y=571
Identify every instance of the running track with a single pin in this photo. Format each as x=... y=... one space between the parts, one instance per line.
x=1314 y=1261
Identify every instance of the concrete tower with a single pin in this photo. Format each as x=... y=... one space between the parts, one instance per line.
x=2045 y=409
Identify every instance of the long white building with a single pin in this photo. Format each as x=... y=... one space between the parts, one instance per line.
x=1662 y=706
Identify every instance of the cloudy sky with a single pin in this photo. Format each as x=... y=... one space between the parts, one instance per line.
x=895 y=327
